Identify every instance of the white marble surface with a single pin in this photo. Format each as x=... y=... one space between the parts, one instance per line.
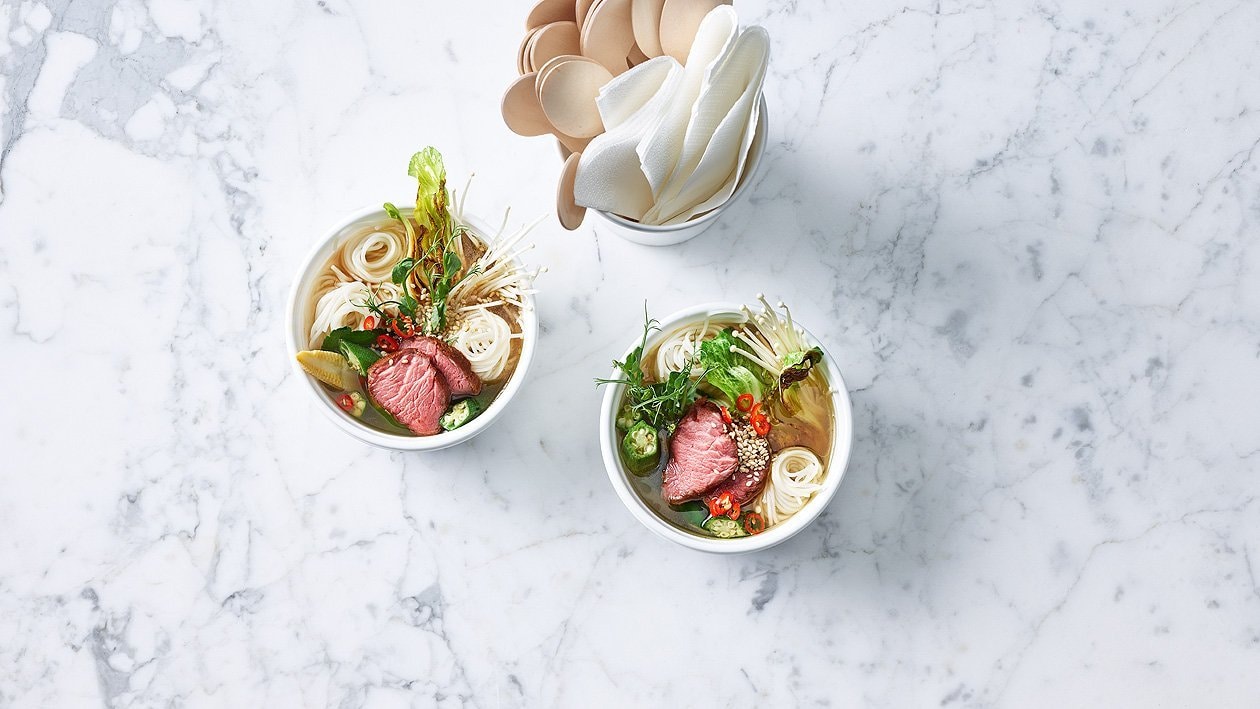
x=1029 y=228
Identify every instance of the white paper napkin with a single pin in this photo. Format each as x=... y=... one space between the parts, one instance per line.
x=721 y=128
x=662 y=145
x=728 y=188
x=626 y=94
x=609 y=177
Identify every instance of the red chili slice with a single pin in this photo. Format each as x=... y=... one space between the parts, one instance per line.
x=345 y=402
x=744 y=402
x=385 y=343
x=724 y=500
x=403 y=326
x=714 y=510
x=369 y=323
x=761 y=425
x=754 y=523
x=734 y=513
x=726 y=415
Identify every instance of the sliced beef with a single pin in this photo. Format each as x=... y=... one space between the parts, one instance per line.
x=409 y=386
x=749 y=479
x=744 y=486
x=701 y=455
x=452 y=363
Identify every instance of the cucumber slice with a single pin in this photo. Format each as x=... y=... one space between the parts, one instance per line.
x=460 y=413
x=724 y=528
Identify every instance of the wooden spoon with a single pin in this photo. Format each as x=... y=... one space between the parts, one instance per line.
x=636 y=57
x=581 y=9
x=567 y=209
x=568 y=92
x=679 y=21
x=645 y=18
x=554 y=40
x=607 y=35
x=570 y=144
x=521 y=111
x=548 y=11
x=522 y=55
x=545 y=70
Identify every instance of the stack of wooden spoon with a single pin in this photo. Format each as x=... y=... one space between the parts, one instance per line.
x=572 y=48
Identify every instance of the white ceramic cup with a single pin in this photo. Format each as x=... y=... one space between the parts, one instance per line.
x=837 y=462
x=631 y=230
x=301 y=308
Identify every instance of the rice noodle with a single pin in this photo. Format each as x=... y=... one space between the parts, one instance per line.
x=680 y=346
x=326 y=281
x=369 y=255
x=486 y=340
x=795 y=475
x=345 y=305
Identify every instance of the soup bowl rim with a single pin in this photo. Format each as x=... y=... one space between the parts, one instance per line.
x=295 y=341
x=837 y=463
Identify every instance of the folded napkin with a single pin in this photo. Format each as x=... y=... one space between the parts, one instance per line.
x=661 y=147
x=726 y=190
x=626 y=94
x=609 y=177
x=723 y=123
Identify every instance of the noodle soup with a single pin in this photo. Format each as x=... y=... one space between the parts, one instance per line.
x=413 y=321
x=726 y=430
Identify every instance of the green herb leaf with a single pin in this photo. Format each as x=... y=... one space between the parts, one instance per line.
x=401 y=270
x=661 y=404
x=451 y=264
x=408 y=306
x=694 y=512
x=332 y=342
x=393 y=212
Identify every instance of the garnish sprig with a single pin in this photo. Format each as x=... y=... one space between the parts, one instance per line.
x=660 y=404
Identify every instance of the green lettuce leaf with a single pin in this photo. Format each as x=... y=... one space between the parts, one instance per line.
x=732 y=373
x=430 y=172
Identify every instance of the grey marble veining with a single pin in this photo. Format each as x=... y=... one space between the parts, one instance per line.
x=1028 y=229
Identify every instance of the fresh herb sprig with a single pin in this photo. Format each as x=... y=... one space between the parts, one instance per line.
x=660 y=404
